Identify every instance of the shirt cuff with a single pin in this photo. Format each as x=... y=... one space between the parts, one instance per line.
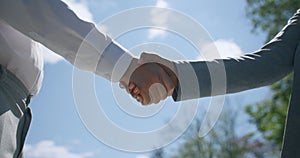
x=188 y=86
x=114 y=62
x=177 y=93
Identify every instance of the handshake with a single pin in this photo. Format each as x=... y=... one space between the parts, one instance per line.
x=150 y=79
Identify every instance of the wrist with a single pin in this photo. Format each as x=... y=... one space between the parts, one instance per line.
x=170 y=70
x=133 y=65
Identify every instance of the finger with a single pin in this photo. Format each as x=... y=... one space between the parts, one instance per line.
x=135 y=92
x=131 y=87
x=122 y=85
x=139 y=98
x=145 y=98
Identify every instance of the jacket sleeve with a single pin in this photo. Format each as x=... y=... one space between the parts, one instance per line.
x=53 y=24
x=267 y=65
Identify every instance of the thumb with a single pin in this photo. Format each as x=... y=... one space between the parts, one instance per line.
x=154 y=58
x=148 y=58
x=122 y=85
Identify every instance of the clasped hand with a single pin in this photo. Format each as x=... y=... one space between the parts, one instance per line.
x=150 y=79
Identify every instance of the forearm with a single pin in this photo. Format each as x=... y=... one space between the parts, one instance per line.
x=53 y=24
x=263 y=67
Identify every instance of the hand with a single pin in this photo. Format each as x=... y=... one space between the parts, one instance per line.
x=150 y=83
x=168 y=67
x=153 y=58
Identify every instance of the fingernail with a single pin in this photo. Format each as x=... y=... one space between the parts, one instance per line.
x=121 y=85
x=138 y=98
x=131 y=86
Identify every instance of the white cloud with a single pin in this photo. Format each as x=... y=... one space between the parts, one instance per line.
x=153 y=33
x=159 y=18
x=48 y=149
x=226 y=48
x=103 y=6
x=82 y=11
x=161 y=4
x=142 y=156
x=80 y=8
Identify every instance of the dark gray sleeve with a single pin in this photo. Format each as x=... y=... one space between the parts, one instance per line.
x=267 y=65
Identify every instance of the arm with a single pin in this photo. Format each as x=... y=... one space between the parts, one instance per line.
x=263 y=67
x=53 y=24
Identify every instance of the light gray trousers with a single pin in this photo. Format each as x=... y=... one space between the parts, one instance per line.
x=15 y=115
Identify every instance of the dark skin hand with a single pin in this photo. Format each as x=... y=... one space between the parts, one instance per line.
x=147 y=75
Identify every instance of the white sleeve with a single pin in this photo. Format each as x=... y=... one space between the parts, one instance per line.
x=53 y=24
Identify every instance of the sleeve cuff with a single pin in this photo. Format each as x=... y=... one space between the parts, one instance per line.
x=177 y=93
x=114 y=62
x=188 y=87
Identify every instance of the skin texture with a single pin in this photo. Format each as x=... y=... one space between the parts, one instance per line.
x=150 y=83
x=154 y=80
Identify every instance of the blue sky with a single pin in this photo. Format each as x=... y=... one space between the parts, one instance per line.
x=57 y=130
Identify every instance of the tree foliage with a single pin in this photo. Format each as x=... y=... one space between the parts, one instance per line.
x=270 y=16
x=222 y=141
x=269 y=116
x=158 y=153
